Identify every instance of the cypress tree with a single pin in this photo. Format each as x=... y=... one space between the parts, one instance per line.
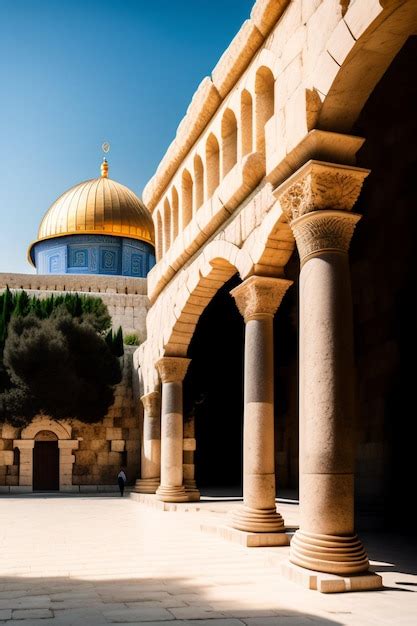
x=118 y=349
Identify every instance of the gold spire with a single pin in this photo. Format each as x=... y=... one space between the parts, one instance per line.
x=105 y=168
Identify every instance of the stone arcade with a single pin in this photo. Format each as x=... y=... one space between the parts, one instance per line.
x=278 y=186
x=262 y=178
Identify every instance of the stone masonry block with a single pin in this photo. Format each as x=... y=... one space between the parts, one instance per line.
x=113 y=433
x=117 y=445
x=6 y=457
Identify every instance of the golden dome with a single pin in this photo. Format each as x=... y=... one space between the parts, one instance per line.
x=100 y=206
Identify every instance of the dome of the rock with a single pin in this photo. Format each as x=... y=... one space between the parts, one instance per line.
x=97 y=227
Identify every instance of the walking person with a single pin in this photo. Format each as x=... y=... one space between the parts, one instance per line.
x=121 y=479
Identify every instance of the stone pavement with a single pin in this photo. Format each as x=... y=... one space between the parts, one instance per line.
x=100 y=560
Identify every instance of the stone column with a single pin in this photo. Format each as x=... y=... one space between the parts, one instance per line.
x=151 y=445
x=317 y=200
x=188 y=465
x=257 y=299
x=172 y=371
x=66 y=462
x=26 y=461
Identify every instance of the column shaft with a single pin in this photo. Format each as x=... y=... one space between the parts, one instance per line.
x=326 y=541
x=257 y=299
x=172 y=371
x=151 y=445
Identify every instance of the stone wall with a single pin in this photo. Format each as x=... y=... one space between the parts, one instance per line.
x=125 y=298
x=99 y=449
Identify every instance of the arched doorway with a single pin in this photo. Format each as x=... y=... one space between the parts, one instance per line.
x=213 y=394
x=46 y=462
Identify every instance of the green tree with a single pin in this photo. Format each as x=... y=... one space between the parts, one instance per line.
x=59 y=366
x=118 y=349
x=55 y=357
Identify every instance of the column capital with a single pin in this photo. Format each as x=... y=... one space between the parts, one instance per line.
x=260 y=296
x=318 y=186
x=152 y=403
x=172 y=369
x=323 y=231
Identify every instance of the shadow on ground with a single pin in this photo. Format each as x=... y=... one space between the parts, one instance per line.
x=61 y=600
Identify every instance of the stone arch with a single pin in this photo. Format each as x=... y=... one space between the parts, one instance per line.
x=229 y=141
x=26 y=444
x=45 y=423
x=198 y=182
x=246 y=122
x=212 y=165
x=220 y=261
x=174 y=206
x=186 y=198
x=264 y=104
x=167 y=226
x=347 y=75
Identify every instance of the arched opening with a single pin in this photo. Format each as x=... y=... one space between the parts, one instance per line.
x=186 y=198
x=246 y=122
x=229 y=141
x=384 y=287
x=167 y=226
x=175 y=216
x=264 y=104
x=158 y=236
x=198 y=182
x=213 y=394
x=46 y=462
x=212 y=165
x=286 y=422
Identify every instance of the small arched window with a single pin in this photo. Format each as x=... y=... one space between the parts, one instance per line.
x=212 y=165
x=198 y=182
x=187 y=198
x=158 y=236
x=246 y=122
x=229 y=141
x=175 y=217
x=264 y=92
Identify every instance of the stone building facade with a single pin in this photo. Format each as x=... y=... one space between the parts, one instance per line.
x=268 y=180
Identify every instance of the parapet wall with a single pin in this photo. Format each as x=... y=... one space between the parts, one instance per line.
x=125 y=297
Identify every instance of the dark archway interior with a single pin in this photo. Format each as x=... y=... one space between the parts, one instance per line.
x=286 y=386
x=384 y=297
x=213 y=391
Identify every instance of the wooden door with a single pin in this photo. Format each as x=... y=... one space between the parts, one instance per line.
x=46 y=466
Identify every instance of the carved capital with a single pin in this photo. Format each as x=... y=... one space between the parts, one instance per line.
x=323 y=231
x=260 y=296
x=152 y=404
x=319 y=186
x=172 y=369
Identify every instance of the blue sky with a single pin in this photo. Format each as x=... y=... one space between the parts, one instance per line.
x=74 y=73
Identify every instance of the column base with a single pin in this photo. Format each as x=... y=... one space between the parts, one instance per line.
x=249 y=540
x=171 y=494
x=330 y=583
x=147 y=485
x=331 y=554
x=257 y=520
x=191 y=490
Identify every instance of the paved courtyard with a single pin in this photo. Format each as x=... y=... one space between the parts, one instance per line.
x=99 y=560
